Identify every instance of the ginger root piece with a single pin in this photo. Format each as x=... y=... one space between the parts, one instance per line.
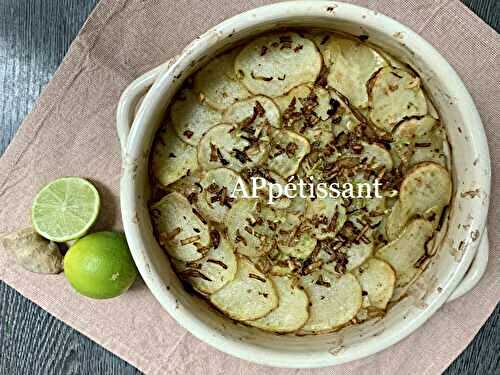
x=33 y=252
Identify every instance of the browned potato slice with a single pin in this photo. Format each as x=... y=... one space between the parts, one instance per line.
x=222 y=146
x=192 y=119
x=352 y=63
x=299 y=247
x=356 y=254
x=419 y=139
x=426 y=188
x=406 y=252
x=292 y=311
x=274 y=63
x=182 y=233
x=218 y=84
x=287 y=151
x=316 y=113
x=334 y=301
x=263 y=108
x=251 y=237
x=377 y=279
x=395 y=94
x=293 y=99
x=376 y=156
x=327 y=216
x=218 y=186
x=187 y=185
x=213 y=271
x=172 y=158
x=307 y=93
x=249 y=296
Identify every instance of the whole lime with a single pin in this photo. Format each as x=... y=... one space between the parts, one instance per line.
x=100 y=265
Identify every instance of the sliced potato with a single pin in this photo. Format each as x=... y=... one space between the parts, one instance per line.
x=182 y=233
x=314 y=122
x=431 y=148
x=213 y=271
x=376 y=156
x=391 y=60
x=427 y=187
x=352 y=63
x=280 y=270
x=405 y=252
x=245 y=109
x=431 y=107
x=318 y=138
x=356 y=254
x=377 y=279
x=218 y=84
x=274 y=63
x=330 y=113
x=320 y=39
x=297 y=206
x=298 y=247
x=343 y=118
x=250 y=236
x=249 y=296
x=292 y=311
x=408 y=133
x=172 y=158
x=327 y=216
x=272 y=180
x=392 y=223
x=412 y=128
x=374 y=207
x=286 y=152
x=323 y=109
x=222 y=147
x=395 y=94
x=187 y=185
x=218 y=186
x=288 y=223
x=334 y=301
x=294 y=96
x=191 y=119
x=417 y=140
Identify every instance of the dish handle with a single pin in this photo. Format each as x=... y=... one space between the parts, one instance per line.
x=131 y=99
x=475 y=271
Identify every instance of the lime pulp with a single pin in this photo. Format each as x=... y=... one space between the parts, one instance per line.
x=65 y=209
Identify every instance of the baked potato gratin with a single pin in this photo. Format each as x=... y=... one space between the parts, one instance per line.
x=310 y=105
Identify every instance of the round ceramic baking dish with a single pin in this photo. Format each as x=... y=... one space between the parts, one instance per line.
x=443 y=280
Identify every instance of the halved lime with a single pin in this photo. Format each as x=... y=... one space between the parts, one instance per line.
x=65 y=209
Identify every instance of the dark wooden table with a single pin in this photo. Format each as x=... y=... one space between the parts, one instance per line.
x=34 y=36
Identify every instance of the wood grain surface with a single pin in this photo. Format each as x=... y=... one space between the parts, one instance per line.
x=34 y=36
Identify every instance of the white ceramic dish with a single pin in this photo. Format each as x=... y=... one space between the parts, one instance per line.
x=445 y=279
